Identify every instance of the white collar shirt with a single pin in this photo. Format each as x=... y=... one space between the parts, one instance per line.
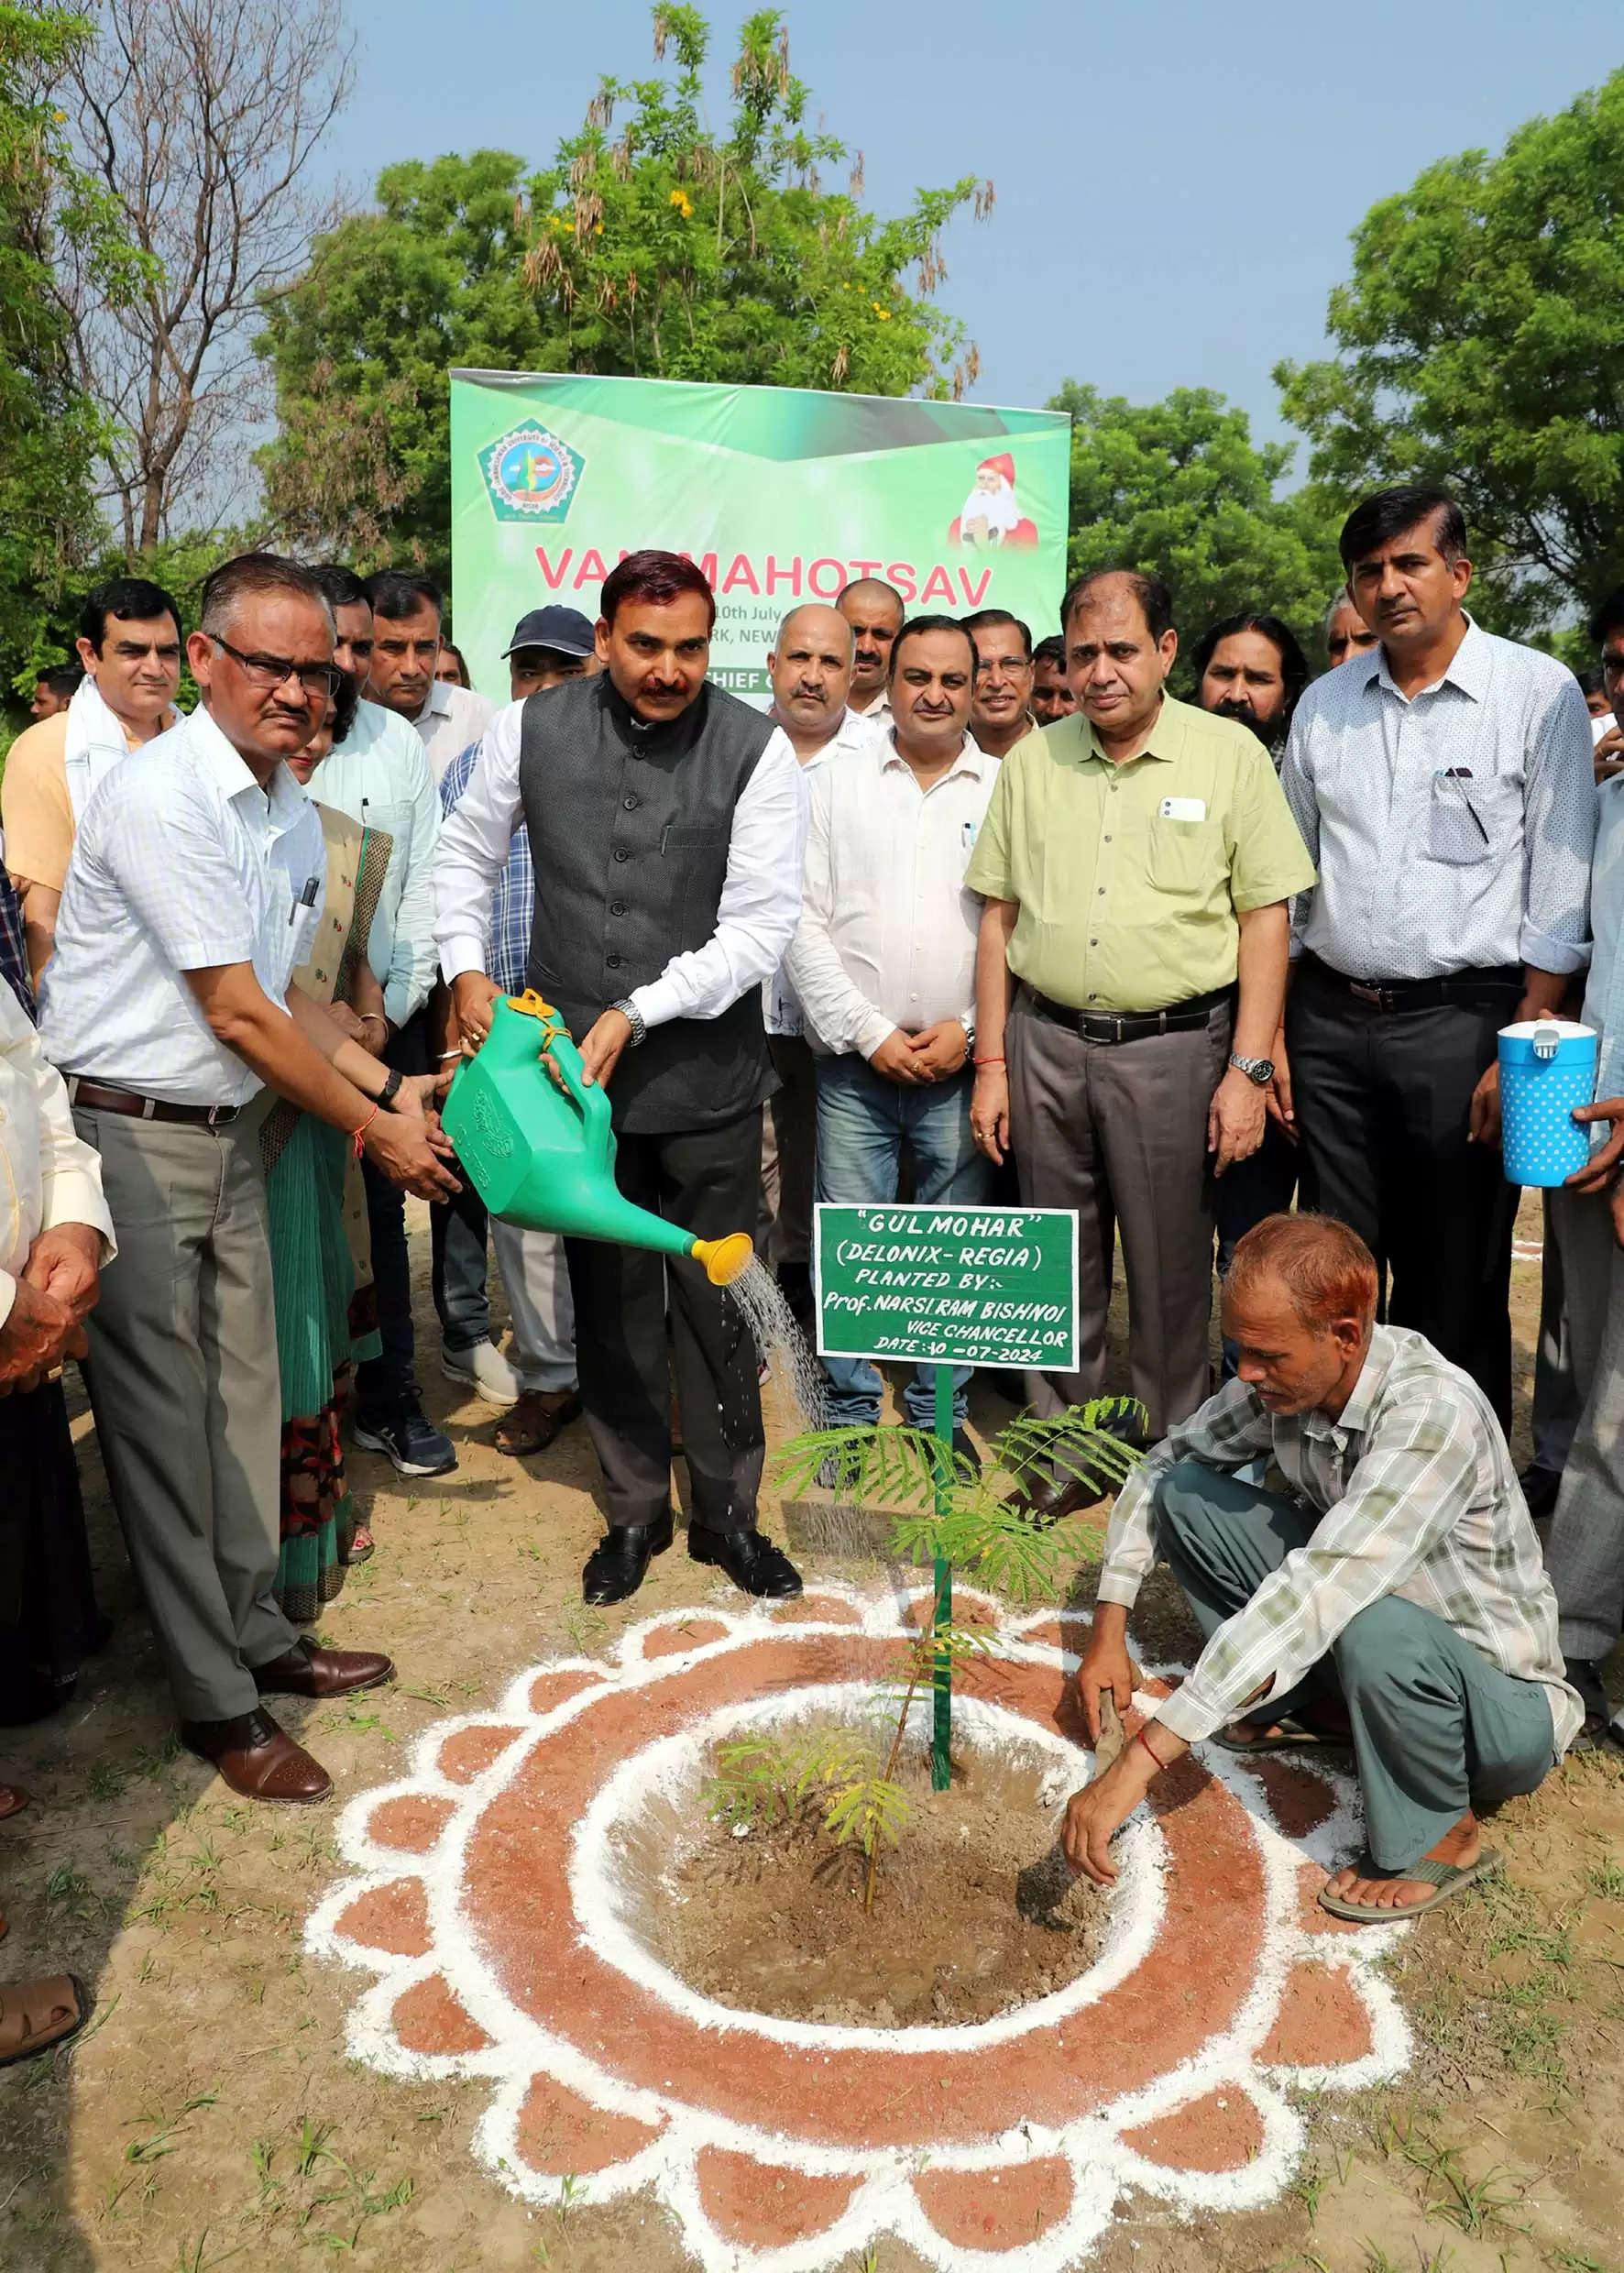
x=878 y=712
x=452 y=718
x=1604 y=994
x=379 y=776
x=887 y=934
x=181 y=863
x=780 y=1007
x=1453 y=829
x=48 y=1175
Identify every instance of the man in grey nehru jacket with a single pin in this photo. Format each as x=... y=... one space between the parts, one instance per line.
x=666 y=833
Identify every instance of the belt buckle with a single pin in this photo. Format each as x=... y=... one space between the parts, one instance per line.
x=1374 y=995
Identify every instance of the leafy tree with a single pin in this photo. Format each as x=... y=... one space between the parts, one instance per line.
x=1179 y=488
x=663 y=250
x=51 y=430
x=1481 y=342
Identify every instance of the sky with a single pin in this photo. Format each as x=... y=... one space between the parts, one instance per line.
x=1177 y=181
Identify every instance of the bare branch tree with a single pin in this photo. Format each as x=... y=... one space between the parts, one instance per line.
x=200 y=119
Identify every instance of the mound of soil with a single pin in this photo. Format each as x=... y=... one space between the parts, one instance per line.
x=975 y=1911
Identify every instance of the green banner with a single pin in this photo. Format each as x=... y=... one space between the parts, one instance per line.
x=781 y=494
x=949 y=1286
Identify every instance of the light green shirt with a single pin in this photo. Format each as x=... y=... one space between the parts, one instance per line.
x=1130 y=878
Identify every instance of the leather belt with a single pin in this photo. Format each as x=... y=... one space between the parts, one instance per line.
x=1128 y=1026
x=96 y=1097
x=1400 y=995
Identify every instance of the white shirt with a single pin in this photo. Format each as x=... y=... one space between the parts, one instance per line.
x=48 y=1175
x=452 y=718
x=887 y=932
x=181 y=863
x=1452 y=828
x=780 y=1005
x=379 y=776
x=761 y=897
x=878 y=712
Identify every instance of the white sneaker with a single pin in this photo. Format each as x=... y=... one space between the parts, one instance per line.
x=485 y=1370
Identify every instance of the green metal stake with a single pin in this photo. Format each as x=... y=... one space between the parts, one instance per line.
x=940 y=1765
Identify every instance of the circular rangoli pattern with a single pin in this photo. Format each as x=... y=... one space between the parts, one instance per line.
x=482 y=1892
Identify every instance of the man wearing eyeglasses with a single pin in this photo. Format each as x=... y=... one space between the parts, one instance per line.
x=1000 y=707
x=195 y=885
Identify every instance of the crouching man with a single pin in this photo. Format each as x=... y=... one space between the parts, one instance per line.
x=1393 y=1598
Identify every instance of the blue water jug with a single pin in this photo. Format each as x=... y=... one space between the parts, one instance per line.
x=1547 y=1067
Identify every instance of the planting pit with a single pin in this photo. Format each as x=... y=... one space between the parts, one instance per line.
x=975 y=1913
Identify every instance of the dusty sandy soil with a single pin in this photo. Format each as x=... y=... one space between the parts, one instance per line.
x=211 y=2116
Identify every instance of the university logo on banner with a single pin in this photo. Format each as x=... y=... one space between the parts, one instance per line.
x=530 y=474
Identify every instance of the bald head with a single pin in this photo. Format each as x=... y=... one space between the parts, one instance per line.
x=874 y=610
x=810 y=672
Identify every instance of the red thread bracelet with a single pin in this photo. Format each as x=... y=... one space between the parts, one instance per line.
x=1140 y=1738
x=357 y=1133
x=982 y=1062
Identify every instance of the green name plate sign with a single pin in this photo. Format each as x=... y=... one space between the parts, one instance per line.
x=949 y=1286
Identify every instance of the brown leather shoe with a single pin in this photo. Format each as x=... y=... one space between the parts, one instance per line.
x=1057 y=1497
x=35 y=2014
x=310 y=1671
x=256 y=1759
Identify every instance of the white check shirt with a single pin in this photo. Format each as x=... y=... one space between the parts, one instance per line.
x=379 y=776
x=1418 y=1498
x=780 y=1005
x=181 y=863
x=1453 y=829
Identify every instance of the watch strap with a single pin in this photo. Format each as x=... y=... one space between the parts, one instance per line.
x=391 y=1087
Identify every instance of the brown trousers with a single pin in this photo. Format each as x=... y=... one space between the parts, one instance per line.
x=1118 y=1131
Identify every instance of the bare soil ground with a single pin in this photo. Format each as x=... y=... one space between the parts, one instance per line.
x=210 y=2115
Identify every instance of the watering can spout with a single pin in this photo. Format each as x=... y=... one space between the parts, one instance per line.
x=536 y=1141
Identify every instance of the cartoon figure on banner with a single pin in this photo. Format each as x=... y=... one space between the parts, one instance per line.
x=991 y=514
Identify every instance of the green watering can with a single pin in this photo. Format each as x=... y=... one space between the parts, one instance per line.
x=543 y=1157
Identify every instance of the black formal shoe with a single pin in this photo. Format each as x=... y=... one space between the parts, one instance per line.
x=751 y=1561
x=1540 y=1487
x=963 y=1450
x=618 y=1565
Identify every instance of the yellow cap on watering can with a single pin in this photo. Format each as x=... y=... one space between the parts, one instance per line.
x=541 y=1152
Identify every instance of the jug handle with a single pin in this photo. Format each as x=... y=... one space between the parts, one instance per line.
x=591 y=1101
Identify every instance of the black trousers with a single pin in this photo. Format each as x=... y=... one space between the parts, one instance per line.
x=707 y=1180
x=1382 y=1100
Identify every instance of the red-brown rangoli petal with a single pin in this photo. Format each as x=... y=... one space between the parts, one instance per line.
x=1220 y=2132
x=1299 y=1802
x=559 y=2133
x=393 y=1918
x=470 y=1752
x=413 y=1823
x=763 y=2205
x=1321 y=2022
x=823 y=1609
x=689 y=1633
x=1311 y=1877
x=1002 y=2208
x=431 y=2017
x=549 y=1689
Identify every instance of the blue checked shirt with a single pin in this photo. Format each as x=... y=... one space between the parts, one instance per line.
x=514 y=903
x=1416 y=1496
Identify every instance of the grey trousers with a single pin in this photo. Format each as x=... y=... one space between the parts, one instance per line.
x=1119 y=1132
x=1436 y=1727
x=185 y=1386
x=536 y=1279
x=1584 y=1553
x=1557 y=1401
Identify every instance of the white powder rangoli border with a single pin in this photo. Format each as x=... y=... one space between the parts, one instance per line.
x=1213 y=2129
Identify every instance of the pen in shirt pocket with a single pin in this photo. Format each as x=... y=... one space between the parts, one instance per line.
x=967 y=836
x=1463 y=772
x=307 y=898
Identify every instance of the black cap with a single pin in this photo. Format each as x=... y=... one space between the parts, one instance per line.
x=564 y=629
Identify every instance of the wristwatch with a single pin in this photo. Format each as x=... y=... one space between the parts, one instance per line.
x=634 y=1019
x=1258 y=1070
x=390 y=1090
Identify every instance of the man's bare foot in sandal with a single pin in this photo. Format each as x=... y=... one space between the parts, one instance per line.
x=536 y=1420
x=1459 y=1849
x=37 y=2014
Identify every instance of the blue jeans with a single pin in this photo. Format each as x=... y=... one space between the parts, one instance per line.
x=864 y=1122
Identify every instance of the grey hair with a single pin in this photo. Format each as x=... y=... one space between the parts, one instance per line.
x=247 y=577
x=1344 y=598
x=800 y=608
